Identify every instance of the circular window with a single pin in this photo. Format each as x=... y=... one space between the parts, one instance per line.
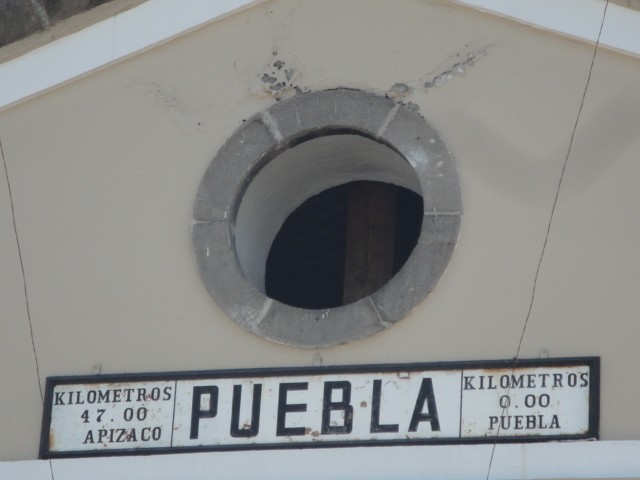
x=326 y=218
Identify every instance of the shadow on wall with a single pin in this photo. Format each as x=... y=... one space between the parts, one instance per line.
x=606 y=130
x=21 y=18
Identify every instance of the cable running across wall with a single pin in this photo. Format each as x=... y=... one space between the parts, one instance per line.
x=24 y=280
x=553 y=209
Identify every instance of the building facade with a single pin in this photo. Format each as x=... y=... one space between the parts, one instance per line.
x=106 y=137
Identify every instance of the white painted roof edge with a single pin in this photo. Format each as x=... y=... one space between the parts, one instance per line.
x=119 y=37
x=578 y=19
x=106 y=42
x=512 y=461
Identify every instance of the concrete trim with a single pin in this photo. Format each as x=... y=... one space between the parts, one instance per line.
x=106 y=42
x=578 y=19
x=516 y=461
x=220 y=230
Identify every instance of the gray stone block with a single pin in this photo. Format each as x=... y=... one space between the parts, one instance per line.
x=227 y=173
x=222 y=276
x=422 y=271
x=322 y=111
x=421 y=145
x=271 y=319
x=320 y=328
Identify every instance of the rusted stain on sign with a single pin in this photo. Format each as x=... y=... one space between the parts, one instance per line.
x=550 y=399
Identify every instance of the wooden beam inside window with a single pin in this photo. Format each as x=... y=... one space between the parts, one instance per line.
x=370 y=239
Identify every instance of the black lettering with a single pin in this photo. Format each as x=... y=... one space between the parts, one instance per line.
x=141 y=413
x=541 y=423
x=572 y=379
x=531 y=380
x=517 y=381
x=344 y=405
x=167 y=393
x=196 y=406
x=467 y=383
x=584 y=379
x=155 y=393
x=89 y=437
x=102 y=433
x=518 y=422
x=103 y=396
x=504 y=381
x=142 y=394
x=59 y=400
x=375 y=412
x=132 y=436
x=531 y=422
x=493 y=421
x=245 y=431
x=505 y=425
x=116 y=395
x=79 y=400
x=544 y=400
x=425 y=395
x=122 y=435
x=128 y=392
x=147 y=434
x=91 y=396
x=490 y=385
x=284 y=408
x=557 y=380
x=544 y=379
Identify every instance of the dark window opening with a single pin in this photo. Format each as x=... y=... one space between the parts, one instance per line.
x=343 y=244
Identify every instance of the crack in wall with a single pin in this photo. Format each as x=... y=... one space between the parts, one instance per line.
x=456 y=70
x=188 y=111
x=455 y=65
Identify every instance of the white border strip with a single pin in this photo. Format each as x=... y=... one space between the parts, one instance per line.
x=511 y=461
x=579 y=19
x=135 y=30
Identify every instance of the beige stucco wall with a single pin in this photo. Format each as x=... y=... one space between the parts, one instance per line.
x=103 y=174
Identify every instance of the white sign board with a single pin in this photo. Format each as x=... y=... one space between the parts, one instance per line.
x=329 y=406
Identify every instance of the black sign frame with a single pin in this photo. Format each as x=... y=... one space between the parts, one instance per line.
x=592 y=434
